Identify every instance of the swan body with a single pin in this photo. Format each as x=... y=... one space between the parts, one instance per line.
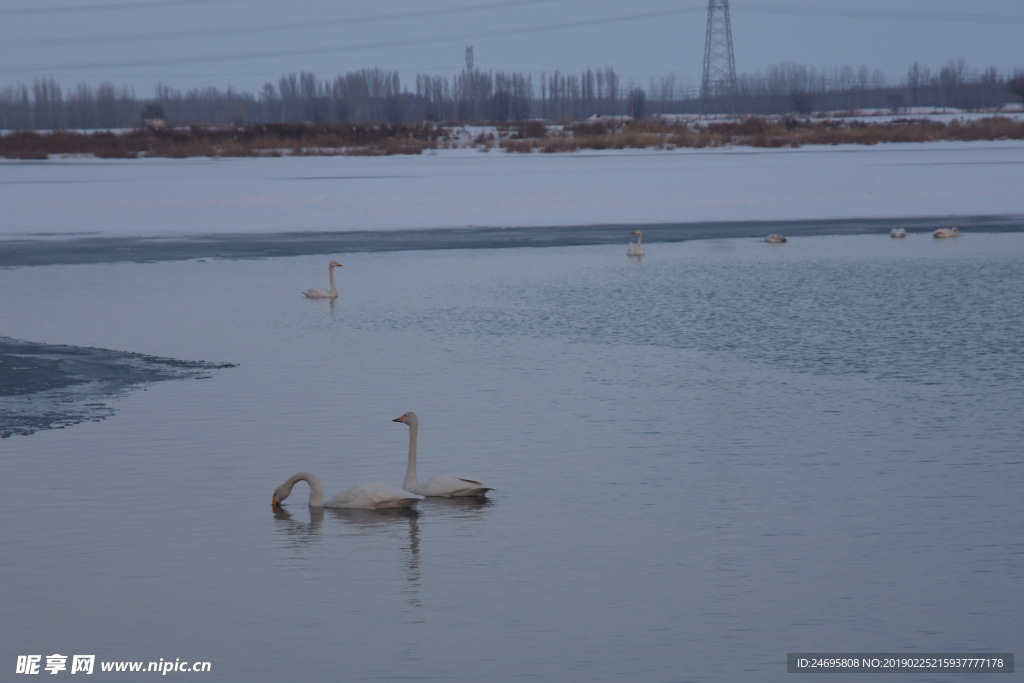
x=636 y=248
x=947 y=232
x=775 y=238
x=366 y=496
x=444 y=486
x=317 y=293
x=897 y=232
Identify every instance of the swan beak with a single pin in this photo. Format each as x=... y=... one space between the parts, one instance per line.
x=399 y=419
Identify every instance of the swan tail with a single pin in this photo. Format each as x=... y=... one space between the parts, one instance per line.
x=451 y=486
x=475 y=488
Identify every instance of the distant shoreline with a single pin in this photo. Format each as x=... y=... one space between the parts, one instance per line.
x=48 y=249
x=523 y=137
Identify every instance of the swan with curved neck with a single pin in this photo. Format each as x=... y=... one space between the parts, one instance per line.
x=947 y=232
x=445 y=486
x=366 y=496
x=317 y=293
x=636 y=248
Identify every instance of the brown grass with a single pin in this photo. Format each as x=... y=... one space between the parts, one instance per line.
x=764 y=132
x=227 y=141
x=523 y=138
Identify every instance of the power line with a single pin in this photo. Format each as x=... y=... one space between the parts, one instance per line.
x=361 y=46
x=841 y=13
x=266 y=28
x=104 y=6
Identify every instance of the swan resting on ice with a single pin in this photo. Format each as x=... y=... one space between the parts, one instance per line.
x=444 y=486
x=947 y=232
x=317 y=293
x=636 y=248
x=775 y=238
x=366 y=496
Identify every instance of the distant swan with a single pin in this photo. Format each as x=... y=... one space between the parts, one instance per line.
x=367 y=496
x=635 y=248
x=947 y=232
x=444 y=486
x=775 y=238
x=317 y=293
x=897 y=232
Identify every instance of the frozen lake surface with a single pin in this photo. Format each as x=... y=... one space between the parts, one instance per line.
x=705 y=459
x=466 y=189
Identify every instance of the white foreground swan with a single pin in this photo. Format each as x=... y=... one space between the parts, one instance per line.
x=897 y=232
x=445 y=486
x=775 y=238
x=367 y=496
x=947 y=232
x=636 y=248
x=317 y=293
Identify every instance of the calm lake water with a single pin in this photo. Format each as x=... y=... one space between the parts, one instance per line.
x=704 y=460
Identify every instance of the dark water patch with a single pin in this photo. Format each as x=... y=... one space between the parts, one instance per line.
x=38 y=252
x=47 y=386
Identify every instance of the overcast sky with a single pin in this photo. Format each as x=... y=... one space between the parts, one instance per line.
x=246 y=43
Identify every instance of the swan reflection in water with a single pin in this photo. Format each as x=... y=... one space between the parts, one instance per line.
x=296 y=533
x=301 y=535
x=465 y=507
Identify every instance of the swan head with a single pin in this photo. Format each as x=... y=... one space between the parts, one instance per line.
x=409 y=418
x=280 y=493
x=334 y=264
x=636 y=232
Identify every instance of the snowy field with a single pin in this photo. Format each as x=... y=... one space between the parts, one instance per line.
x=462 y=188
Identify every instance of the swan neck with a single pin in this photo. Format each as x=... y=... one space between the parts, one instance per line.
x=410 y=472
x=316 y=491
x=330 y=272
x=639 y=238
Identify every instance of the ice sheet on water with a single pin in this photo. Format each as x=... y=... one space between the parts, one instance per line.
x=47 y=386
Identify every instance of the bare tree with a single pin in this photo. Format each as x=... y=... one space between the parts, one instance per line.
x=637 y=103
x=1016 y=84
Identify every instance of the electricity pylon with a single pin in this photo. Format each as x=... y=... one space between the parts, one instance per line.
x=718 y=86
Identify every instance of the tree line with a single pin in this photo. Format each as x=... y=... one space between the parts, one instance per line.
x=474 y=95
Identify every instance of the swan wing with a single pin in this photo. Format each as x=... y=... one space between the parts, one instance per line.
x=448 y=485
x=373 y=496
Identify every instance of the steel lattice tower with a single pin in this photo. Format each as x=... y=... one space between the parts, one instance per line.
x=718 y=86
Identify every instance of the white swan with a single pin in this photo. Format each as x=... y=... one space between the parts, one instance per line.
x=446 y=485
x=317 y=293
x=775 y=238
x=947 y=232
x=635 y=248
x=897 y=232
x=367 y=496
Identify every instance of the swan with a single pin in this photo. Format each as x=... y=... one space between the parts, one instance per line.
x=446 y=485
x=947 y=232
x=317 y=293
x=367 y=496
x=636 y=249
x=897 y=232
x=775 y=238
